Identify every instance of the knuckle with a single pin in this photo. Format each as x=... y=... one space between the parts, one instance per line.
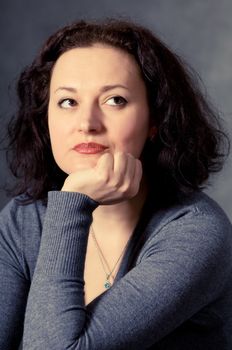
x=117 y=179
x=115 y=184
x=126 y=188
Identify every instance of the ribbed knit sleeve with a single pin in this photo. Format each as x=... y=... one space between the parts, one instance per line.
x=55 y=313
x=65 y=234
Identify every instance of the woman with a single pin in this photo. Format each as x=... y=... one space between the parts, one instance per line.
x=110 y=243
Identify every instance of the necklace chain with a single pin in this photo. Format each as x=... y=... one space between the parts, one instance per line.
x=104 y=262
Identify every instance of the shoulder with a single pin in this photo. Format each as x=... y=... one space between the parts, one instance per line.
x=194 y=228
x=19 y=211
x=196 y=209
x=20 y=232
x=190 y=242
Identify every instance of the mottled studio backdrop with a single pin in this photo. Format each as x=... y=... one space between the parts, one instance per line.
x=199 y=30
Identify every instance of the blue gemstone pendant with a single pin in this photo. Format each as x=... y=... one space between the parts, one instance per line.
x=107 y=285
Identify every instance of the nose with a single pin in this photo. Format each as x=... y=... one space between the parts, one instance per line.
x=89 y=119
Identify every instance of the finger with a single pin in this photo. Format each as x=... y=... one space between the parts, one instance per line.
x=130 y=167
x=128 y=176
x=106 y=161
x=120 y=166
x=104 y=167
x=135 y=185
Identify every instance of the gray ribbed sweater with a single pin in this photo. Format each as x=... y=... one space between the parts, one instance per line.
x=174 y=292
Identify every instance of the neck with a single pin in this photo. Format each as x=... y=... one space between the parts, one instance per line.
x=121 y=217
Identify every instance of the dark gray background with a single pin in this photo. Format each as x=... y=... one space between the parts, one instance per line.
x=200 y=31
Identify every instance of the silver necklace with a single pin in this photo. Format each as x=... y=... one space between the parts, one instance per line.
x=104 y=262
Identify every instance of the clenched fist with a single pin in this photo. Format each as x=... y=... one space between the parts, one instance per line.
x=115 y=178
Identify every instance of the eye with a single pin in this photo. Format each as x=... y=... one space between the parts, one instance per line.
x=116 y=101
x=67 y=103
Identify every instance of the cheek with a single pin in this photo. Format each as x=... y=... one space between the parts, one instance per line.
x=57 y=134
x=54 y=135
x=131 y=138
x=58 y=126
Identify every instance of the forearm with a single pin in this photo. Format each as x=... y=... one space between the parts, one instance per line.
x=56 y=310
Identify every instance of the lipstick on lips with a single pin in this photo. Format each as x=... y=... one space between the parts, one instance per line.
x=89 y=148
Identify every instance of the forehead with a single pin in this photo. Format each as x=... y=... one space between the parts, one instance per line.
x=97 y=62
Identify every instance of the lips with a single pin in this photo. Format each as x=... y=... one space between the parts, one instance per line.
x=89 y=148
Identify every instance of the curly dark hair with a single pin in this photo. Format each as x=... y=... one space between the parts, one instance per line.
x=189 y=144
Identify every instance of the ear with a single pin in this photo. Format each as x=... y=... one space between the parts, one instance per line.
x=152 y=133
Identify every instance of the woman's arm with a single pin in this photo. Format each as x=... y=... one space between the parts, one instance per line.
x=13 y=284
x=179 y=273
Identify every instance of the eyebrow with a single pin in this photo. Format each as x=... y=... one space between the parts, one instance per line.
x=102 y=89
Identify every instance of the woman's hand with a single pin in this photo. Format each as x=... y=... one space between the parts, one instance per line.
x=115 y=178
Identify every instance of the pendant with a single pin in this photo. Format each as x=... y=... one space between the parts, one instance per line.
x=107 y=284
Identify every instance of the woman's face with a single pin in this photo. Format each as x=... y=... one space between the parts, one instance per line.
x=98 y=103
